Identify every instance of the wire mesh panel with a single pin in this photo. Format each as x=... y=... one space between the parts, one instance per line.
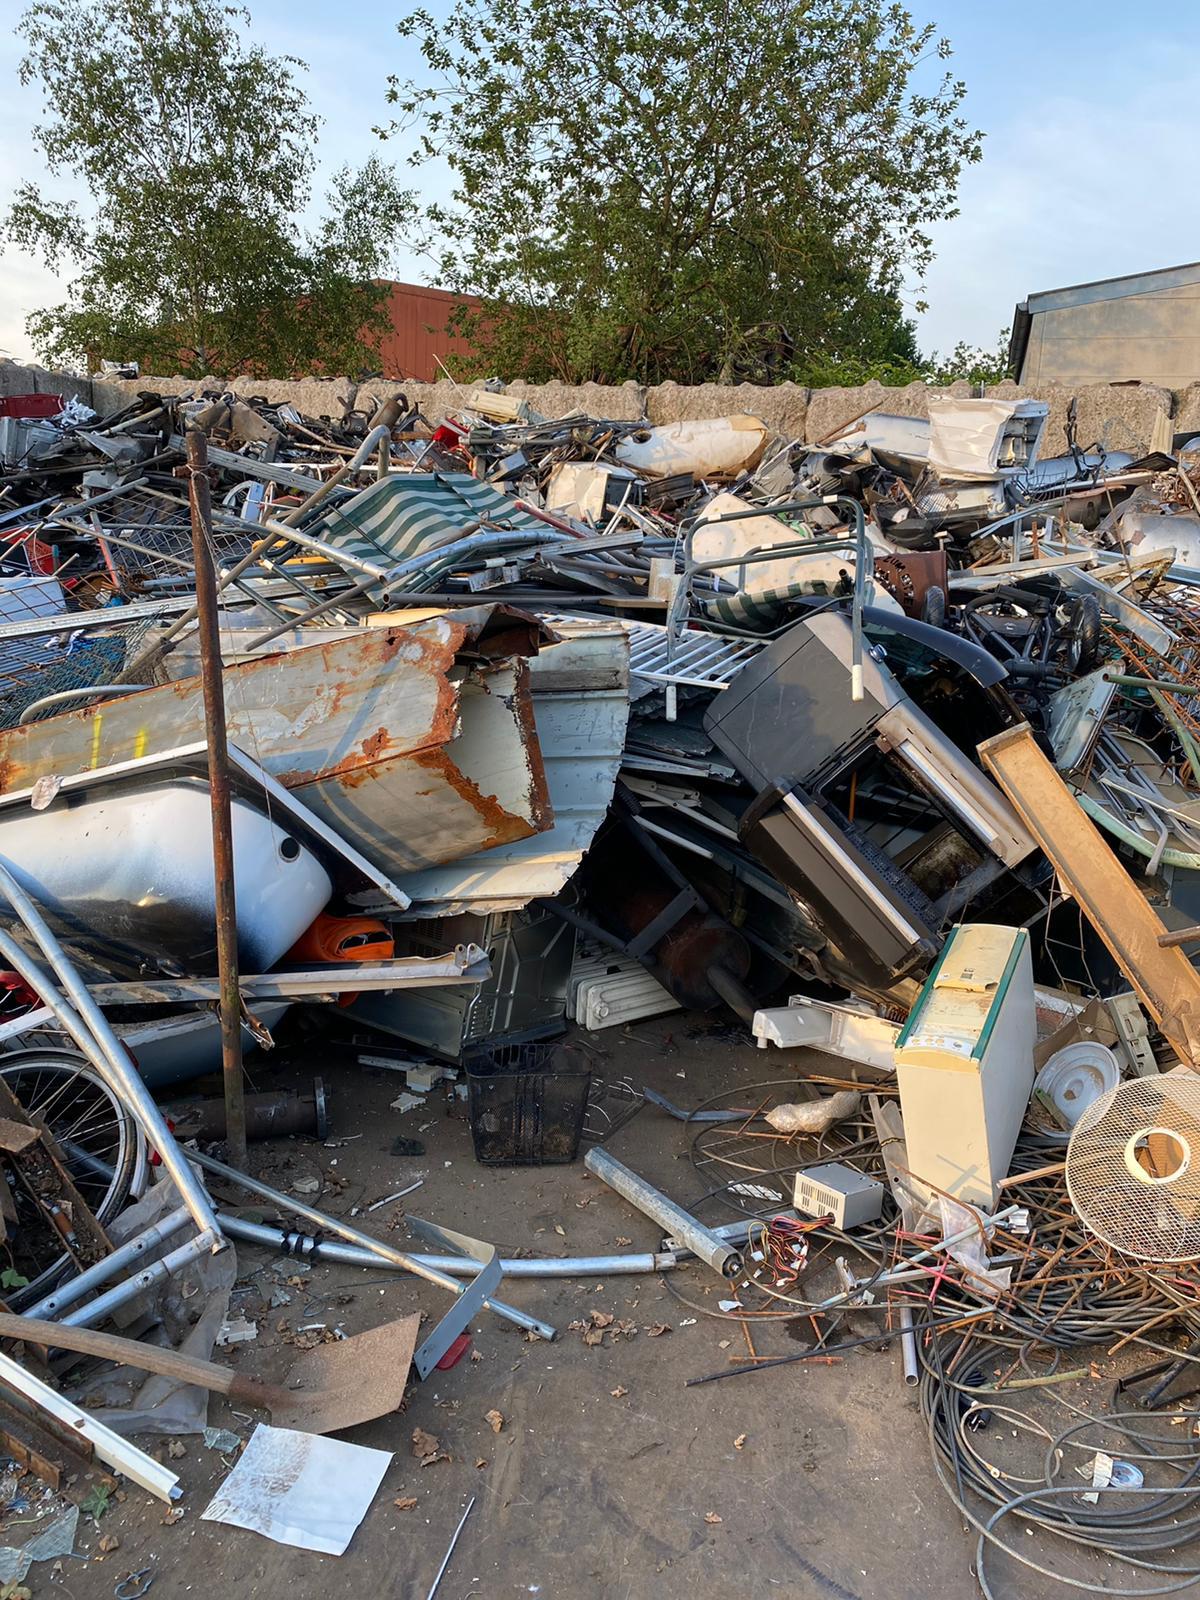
x=32 y=668
x=140 y=544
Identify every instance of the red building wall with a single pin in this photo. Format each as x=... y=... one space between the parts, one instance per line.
x=418 y=335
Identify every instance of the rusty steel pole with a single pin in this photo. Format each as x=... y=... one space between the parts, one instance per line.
x=208 y=628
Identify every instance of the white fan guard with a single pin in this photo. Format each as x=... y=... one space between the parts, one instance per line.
x=1133 y=1167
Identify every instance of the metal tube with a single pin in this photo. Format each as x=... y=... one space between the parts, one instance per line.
x=304 y=1246
x=680 y=1224
x=441 y=1571
x=376 y=1247
x=208 y=628
x=103 y=1305
x=331 y=604
x=272 y=1114
x=90 y=1029
x=908 y=1347
x=863 y=555
x=1132 y=681
x=51 y=1306
x=65 y=696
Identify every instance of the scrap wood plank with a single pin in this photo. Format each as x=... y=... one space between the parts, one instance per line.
x=1164 y=979
x=38 y=1450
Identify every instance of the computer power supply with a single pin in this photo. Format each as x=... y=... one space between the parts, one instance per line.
x=850 y=1197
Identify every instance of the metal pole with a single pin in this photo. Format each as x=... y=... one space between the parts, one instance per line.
x=375 y=1247
x=908 y=1347
x=305 y=1247
x=706 y=1245
x=52 y=1306
x=208 y=629
x=97 y=1310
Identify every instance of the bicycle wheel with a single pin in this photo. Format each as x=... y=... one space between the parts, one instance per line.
x=101 y=1146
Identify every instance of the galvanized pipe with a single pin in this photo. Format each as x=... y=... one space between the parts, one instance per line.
x=51 y=1306
x=90 y=1029
x=375 y=1247
x=307 y=1248
x=708 y=1246
x=908 y=1347
x=99 y=1309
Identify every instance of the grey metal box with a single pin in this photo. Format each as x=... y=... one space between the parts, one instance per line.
x=850 y=1196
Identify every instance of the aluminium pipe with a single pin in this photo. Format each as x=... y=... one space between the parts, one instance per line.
x=51 y=1306
x=305 y=1247
x=98 y=1310
x=95 y=1037
x=908 y=1347
x=375 y=1247
x=706 y=1245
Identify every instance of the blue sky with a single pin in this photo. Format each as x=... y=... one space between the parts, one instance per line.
x=1089 y=165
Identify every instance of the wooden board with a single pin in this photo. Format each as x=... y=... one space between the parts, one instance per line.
x=1165 y=981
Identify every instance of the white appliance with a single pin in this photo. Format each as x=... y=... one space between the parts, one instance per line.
x=964 y=1062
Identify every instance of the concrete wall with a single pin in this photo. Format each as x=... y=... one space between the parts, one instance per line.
x=1147 y=329
x=1120 y=416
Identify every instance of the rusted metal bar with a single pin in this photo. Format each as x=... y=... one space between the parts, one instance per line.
x=208 y=627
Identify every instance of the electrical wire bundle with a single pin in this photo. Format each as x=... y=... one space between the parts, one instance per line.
x=1070 y=1298
x=1142 y=1527
x=992 y=1360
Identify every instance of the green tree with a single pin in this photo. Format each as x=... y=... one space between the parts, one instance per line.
x=196 y=148
x=972 y=363
x=686 y=189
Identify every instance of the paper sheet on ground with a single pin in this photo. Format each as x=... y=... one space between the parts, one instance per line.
x=300 y=1489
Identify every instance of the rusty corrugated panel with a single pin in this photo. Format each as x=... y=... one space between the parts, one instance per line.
x=411 y=766
x=418 y=336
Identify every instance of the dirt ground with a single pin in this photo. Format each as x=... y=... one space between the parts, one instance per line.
x=609 y=1480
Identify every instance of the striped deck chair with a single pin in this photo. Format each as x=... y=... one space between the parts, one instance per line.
x=413 y=513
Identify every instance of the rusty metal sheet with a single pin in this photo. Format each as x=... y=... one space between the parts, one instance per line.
x=1165 y=981
x=415 y=759
x=581 y=707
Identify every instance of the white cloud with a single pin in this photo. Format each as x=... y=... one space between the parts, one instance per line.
x=1077 y=186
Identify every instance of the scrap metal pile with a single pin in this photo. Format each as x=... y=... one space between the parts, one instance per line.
x=533 y=721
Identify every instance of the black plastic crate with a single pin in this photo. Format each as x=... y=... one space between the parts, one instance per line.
x=528 y=1103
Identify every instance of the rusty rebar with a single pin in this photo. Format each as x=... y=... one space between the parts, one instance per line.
x=208 y=629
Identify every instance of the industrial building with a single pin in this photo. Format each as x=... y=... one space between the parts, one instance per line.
x=1143 y=327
